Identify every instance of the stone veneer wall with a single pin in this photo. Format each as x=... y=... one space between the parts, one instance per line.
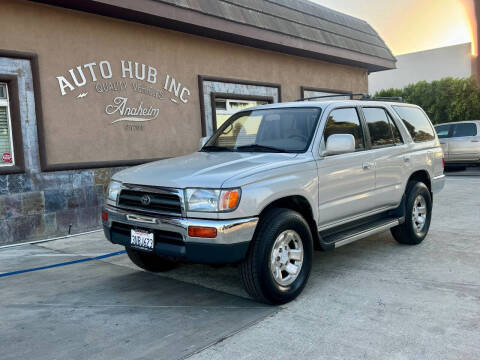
x=38 y=205
x=42 y=205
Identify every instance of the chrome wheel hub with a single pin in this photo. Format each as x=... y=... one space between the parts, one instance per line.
x=286 y=258
x=419 y=214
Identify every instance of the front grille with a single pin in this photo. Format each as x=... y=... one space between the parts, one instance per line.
x=122 y=232
x=158 y=202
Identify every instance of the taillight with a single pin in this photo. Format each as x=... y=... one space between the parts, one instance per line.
x=104 y=216
x=443 y=162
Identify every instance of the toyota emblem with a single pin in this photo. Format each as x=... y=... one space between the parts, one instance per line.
x=146 y=200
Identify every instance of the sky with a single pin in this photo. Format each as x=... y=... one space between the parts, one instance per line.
x=413 y=25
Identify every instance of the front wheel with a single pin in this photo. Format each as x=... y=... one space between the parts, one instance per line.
x=418 y=215
x=279 y=260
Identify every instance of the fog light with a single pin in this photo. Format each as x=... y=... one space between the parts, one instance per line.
x=104 y=216
x=202 y=232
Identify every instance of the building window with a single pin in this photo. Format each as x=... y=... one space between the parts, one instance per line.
x=224 y=107
x=7 y=156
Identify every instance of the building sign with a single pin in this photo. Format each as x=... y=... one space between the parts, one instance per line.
x=136 y=93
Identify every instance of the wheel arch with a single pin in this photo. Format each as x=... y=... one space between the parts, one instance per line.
x=301 y=205
x=422 y=176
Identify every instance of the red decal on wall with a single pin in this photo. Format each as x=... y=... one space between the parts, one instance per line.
x=6 y=157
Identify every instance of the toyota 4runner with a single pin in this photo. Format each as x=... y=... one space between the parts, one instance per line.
x=274 y=183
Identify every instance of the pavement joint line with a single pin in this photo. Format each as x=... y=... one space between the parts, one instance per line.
x=141 y=306
x=62 y=264
x=233 y=333
x=48 y=240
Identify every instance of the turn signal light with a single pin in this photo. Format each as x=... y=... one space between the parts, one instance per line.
x=229 y=199
x=104 y=216
x=202 y=232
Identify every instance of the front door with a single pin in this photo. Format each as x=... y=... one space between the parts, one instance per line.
x=346 y=181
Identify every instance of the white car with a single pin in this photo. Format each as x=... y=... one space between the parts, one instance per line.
x=276 y=182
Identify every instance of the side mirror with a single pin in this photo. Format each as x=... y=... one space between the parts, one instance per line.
x=340 y=144
x=202 y=142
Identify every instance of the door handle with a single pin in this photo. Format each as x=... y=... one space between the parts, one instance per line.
x=368 y=165
x=475 y=140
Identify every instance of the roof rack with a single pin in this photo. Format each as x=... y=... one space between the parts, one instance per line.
x=365 y=97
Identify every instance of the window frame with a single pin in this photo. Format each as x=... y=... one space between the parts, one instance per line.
x=366 y=141
x=389 y=117
x=15 y=127
x=215 y=95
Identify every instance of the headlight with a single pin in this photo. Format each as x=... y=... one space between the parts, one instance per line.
x=211 y=200
x=114 y=190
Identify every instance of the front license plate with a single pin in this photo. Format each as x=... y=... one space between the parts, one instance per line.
x=141 y=239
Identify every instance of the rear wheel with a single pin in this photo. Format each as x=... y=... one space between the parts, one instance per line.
x=279 y=260
x=150 y=262
x=418 y=215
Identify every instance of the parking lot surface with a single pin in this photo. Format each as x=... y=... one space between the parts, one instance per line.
x=80 y=298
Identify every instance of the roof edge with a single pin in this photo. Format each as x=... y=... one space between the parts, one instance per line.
x=192 y=22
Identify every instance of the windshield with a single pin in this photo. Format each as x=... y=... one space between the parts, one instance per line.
x=268 y=130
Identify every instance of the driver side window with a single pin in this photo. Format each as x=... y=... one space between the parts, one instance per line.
x=345 y=121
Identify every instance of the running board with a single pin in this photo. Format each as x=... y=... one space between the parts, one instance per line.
x=347 y=237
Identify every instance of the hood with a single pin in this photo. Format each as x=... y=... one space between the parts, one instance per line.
x=200 y=169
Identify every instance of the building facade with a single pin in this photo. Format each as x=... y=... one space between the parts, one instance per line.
x=91 y=87
x=451 y=61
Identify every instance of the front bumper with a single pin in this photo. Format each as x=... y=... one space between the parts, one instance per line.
x=172 y=239
x=438 y=183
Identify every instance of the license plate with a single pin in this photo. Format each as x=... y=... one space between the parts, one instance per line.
x=141 y=239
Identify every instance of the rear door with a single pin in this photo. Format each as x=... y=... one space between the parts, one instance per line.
x=388 y=150
x=346 y=181
x=464 y=145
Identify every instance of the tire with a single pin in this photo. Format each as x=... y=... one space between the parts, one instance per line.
x=413 y=231
x=150 y=262
x=257 y=275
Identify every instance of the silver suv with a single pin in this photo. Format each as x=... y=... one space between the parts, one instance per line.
x=276 y=182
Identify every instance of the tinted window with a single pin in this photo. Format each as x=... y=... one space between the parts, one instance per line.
x=379 y=127
x=467 y=129
x=443 y=130
x=416 y=122
x=345 y=121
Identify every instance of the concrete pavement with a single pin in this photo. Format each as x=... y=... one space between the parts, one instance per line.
x=372 y=299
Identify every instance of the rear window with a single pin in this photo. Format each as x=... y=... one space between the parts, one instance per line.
x=464 y=129
x=416 y=122
x=383 y=131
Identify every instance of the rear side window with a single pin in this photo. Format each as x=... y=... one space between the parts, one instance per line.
x=345 y=121
x=383 y=131
x=464 y=129
x=443 y=131
x=416 y=122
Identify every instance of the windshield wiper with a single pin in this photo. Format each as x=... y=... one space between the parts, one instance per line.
x=216 y=148
x=258 y=147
